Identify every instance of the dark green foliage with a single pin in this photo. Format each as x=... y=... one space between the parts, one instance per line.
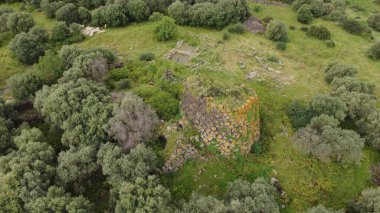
x=319 y=32
x=298 y=4
x=138 y=10
x=374 y=21
x=68 y=13
x=23 y=86
x=330 y=43
x=120 y=168
x=317 y=8
x=237 y=28
x=27 y=48
x=156 y=16
x=304 y=29
x=350 y=84
x=4 y=15
x=166 y=29
x=336 y=15
x=41 y=34
x=123 y=84
x=57 y=200
x=166 y=106
x=80 y=108
x=5 y=136
x=76 y=167
x=329 y=105
x=374 y=51
x=281 y=45
x=111 y=15
x=299 y=113
x=339 y=70
x=226 y=36
x=84 y=15
x=50 y=8
x=68 y=55
x=179 y=11
x=370 y=126
x=20 y=22
x=60 y=32
x=143 y=195
x=146 y=57
x=202 y=204
x=353 y=26
x=277 y=31
x=304 y=14
x=322 y=209
x=292 y=27
x=50 y=68
x=30 y=168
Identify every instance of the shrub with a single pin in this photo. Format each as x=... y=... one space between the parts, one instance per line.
x=111 y=15
x=299 y=113
x=374 y=51
x=50 y=68
x=60 y=32
x=304 y=14
x=179 y=11
x=339 y=70
x=329 y=105
x=50 y=8
x=369 y=200
x=298 y=4
x=166 y=106
x=319 y=32
x=374 y=21
x=237 y=28
x=353 y=26
x=23 y=86
x=266 y=20
x=257 y=8
x=146 y=57
x=156 y=16
x=322 y=209
x=166 y=29
x=27 y=48
x=330 y=43
x=304 y=29
x=84 y=15
x=123 y=84
x=137 y=10
x=317 y=8
x=20 y=22
x=292 y=27
x=4 y=15
x=281 y=45
x=336 y=15
x=277 y=31
x=68 y=13
x=226 y=36
x=40 y=33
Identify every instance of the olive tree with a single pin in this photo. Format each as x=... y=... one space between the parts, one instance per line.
x=20 y=22
x=112 y=16
x=166 y=29
x=68 y=13
x=322 y=209
x=24 y=85
x=374 y=21
x=179 y=11
x=50 y=8
x=374 y=51
x=133 y=122
x=60 y=32
x=27 y=48
x=339 y=70
x=304 y=14
x=138 y=10
x=369 y=200
x=277 y=31
x=329 y=105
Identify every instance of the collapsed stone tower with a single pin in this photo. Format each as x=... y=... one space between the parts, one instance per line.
x=230 y=131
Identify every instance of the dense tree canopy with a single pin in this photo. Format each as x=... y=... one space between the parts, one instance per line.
x=20 y=22
x=27 y=47
x=24 y=85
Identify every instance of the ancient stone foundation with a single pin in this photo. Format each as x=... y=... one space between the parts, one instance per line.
x=230 y=131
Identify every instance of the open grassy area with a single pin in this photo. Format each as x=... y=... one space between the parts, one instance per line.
x=306 y=180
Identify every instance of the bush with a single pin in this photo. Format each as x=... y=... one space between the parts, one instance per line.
x=317 y=8
x=68 y=13
x=237 y=28
x=281 y=45
x=40 y=33
x=298 y=4
x=319 y=32
x=322 y=209
x=27 y=48
x=304 y=14
x=179 y=11
x=299 y=113
x=329 y=105
x=330 y=43
x=147 y=57
x=50 y=8
x=374 y=21
x=336 y=15
x=339 y=70
x=60 y=32
x=304 y=29
x=50 y=68
x=84 y=15
x=166 y=29
x=156 y=16
x=353 y=26
x=20 y=22
x=369 y=200
x=123 y=84
x=23 y=86
x=374 y=51
x=166 y=106
x=277 y=31
x=226 y=36
x=4 y=15
x=111 y=15
x=292 y=27
x=137 y=10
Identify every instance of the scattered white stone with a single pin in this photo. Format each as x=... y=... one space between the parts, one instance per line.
x=91 y=31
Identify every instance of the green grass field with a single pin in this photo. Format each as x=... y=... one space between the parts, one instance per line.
x=306 y=180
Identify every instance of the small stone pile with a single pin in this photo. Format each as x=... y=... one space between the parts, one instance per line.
x=181 y=154
x=91 y=31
